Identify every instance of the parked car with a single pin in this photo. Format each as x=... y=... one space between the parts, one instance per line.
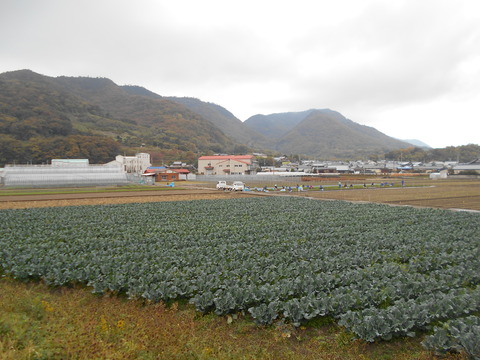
x=238 y=186
x=222 y=185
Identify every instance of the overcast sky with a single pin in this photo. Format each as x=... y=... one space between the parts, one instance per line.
x=409 y=68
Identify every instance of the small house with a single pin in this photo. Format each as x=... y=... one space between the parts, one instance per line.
x=162 y=173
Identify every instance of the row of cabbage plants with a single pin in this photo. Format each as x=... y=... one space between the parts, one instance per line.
x=381 y=271
x=456 y=335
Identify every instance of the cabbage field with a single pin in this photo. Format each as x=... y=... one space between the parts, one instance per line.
x=379 y=271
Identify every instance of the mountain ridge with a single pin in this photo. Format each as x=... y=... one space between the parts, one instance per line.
x=224 y=120
x=323 y=133
x=35 y=106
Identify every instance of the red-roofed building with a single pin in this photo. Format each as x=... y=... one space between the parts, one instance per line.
x=226 y=165
x=162 y=173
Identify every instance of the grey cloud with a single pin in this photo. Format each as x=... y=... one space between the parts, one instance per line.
x=402 y=58
x=268 y=57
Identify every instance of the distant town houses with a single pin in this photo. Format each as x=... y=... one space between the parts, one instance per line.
x=138 y=169
x=468 y=168
x=221 y=165
x=224 y=165
x=383 y=167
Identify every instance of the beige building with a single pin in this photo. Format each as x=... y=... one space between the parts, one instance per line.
x=226 y=165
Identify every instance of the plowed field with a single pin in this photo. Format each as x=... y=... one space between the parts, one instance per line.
x=438 y=194
x=101 y=198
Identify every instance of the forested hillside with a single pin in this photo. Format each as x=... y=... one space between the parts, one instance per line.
x=324 y=134
x=42 y=118
x=276 y=125
x=39 y=122
x=227 y=122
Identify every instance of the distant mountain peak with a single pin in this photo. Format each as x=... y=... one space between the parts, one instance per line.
x=418 y=143
x=322 y=133
x=140 y=90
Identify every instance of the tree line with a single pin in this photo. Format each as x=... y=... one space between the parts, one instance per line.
x=462 y=154
x=40 y=150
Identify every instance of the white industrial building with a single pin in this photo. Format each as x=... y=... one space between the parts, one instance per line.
x=134 y=164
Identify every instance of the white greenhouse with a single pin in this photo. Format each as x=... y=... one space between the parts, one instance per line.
x=58 y=176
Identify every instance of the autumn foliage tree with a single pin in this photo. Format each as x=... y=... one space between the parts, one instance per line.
x=98 y=149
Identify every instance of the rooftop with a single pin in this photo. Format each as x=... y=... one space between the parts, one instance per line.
x=225 y=157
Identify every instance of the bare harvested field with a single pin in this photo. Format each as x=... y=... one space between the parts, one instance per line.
x=101 y=198
x=448 y=194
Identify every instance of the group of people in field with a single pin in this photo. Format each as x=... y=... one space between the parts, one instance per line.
x=321 y=187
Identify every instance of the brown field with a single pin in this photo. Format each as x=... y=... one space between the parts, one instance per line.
x=99 y=198
x=447 y=194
